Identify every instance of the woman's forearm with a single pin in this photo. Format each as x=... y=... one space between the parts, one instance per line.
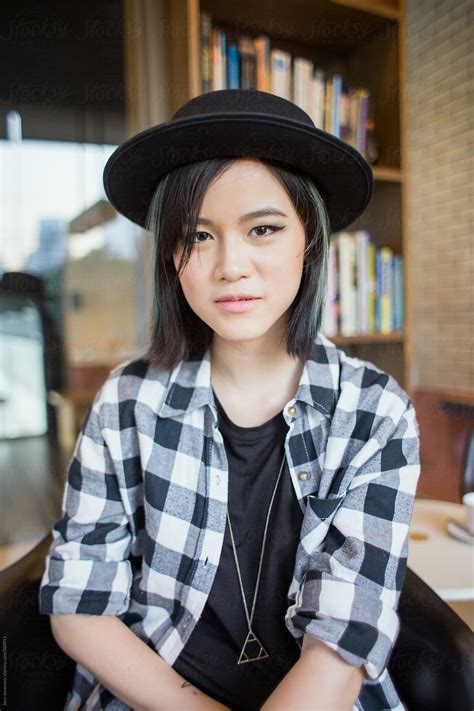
x=320 y=680
x=126 y=666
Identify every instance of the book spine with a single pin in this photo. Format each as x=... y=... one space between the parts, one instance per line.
x=386 y=290
x=398 y=292
x=354 y=316
x=344 y=116
x=318 y=98
x=223 y=59
x=353 y=117
x=328 y=106
x=336 y=98
x=262 y=53
x=281 y=73
x=378 y=271
x=233 y=66
x=347 y=284
x=371 y=286
x=248 y=58
x=362 y=123
x=215 y=60
x=206 y=58
x=362 y=239
x=302 y=73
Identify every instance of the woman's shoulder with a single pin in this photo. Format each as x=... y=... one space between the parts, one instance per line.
x=133 y=381
x=361 y=384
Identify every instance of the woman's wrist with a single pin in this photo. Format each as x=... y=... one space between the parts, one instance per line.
x=193 y=700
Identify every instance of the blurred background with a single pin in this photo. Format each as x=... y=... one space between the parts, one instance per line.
x=393 y=78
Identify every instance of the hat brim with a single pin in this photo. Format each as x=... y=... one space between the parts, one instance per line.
x=342 y=176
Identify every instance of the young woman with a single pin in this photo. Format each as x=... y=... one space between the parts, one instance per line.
x=235 y=518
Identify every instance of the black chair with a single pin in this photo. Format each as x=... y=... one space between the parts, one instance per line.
x=432 y=662
x=39 y=673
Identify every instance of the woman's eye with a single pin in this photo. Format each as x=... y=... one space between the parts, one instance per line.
x=267 y=227
x=195 y=235
x=273 y=229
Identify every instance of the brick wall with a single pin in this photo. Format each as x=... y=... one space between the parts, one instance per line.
x=440 y=192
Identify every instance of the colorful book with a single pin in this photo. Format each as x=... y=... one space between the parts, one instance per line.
x=335 y=106
x=233 y=66
x=248 y=63
x=386 y=290
x=362 y=117
x=206 y=59
x=398 y=290
x=348 y=283
x=318 y=90
x=302 y=78
x=371 y=287
x=281 y=73
x=362 y=238
x=328 y=105
x=218 y=53
x=262 y=53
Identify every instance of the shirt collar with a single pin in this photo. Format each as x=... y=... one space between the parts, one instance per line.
x=190 y=386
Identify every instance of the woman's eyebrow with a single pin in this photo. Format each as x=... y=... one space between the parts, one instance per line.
x=263 y=212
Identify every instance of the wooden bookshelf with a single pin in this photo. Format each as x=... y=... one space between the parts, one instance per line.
x=384 y=8
x=388 y=175
x=364 y=40
x=367 y=338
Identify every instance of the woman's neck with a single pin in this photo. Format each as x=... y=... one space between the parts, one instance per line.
x=253 y=381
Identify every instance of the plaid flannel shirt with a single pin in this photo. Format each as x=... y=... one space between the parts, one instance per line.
x=144 y=511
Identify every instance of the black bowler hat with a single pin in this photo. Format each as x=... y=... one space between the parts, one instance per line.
x=239 y=122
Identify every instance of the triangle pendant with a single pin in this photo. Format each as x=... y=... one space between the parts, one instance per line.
x=253 y=650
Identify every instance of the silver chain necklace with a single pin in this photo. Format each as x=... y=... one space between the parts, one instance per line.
x=252 y=642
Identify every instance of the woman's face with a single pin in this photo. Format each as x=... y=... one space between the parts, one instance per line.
x=234 y=253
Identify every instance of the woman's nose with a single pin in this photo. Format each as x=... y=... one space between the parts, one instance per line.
x=232 y=261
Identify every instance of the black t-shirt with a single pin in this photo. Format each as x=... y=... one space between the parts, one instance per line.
x=209 y=658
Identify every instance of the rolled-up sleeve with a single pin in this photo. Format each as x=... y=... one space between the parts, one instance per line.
x=87 y=568
x=357 y=546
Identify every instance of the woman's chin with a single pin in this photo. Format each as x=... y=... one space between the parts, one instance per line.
x=238 y=333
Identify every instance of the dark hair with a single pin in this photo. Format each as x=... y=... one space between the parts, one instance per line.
x=176 y=332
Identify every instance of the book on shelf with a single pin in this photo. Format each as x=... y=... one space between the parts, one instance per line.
x=218 y=59
x=384 y=296
x=364 y=287
x=398 y=292
x=280 y=77
x=262 y=58
x=233 y=66
x=245 y=62
x=248 y=62
x=361 y=239
x=206 y=58
x=347 y=283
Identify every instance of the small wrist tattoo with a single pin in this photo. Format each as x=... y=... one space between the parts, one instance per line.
x=186 y=683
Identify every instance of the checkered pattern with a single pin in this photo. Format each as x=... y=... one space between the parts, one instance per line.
x=144 y=511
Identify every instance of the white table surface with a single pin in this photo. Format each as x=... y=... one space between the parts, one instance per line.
x=443 y=562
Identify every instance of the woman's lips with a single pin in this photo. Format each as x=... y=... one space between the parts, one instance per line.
x=237 y=306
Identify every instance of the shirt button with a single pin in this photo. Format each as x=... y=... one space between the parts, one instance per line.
x=303 y=476
x=291 y=410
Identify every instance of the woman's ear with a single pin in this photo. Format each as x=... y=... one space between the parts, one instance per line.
x=177 y=257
